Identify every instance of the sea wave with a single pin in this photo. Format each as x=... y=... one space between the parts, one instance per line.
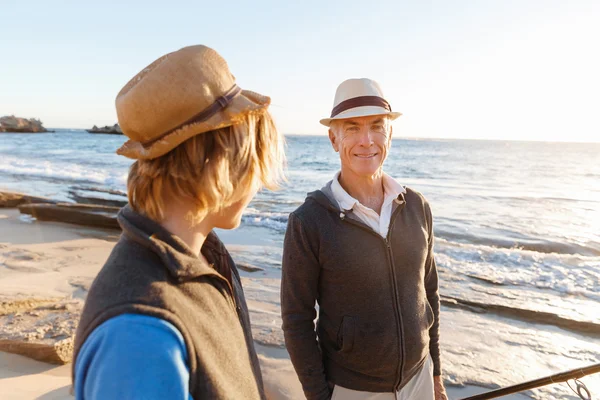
x=270 y=220
x=62 y=172
x=574 y=276
x=60 y=130
x=278 y=222
x=533 y=198
x=531 y=244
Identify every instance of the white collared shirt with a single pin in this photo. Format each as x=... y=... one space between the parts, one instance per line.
x=379 y=223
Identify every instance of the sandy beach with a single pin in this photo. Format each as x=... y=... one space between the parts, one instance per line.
x=48 y=260
x=57 y=261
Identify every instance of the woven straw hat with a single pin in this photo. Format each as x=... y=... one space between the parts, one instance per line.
x=178 y=96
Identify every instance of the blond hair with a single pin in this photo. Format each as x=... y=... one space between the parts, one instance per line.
x=211 y=170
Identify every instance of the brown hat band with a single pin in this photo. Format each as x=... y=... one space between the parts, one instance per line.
x=360 y=102
x=219 y=104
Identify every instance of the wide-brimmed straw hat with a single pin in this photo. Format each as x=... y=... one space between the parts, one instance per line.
x=180 y=95
x=359 y=98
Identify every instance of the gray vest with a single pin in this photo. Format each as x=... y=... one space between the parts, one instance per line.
x=154 y=273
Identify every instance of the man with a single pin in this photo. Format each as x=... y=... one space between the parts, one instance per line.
x=362 y=248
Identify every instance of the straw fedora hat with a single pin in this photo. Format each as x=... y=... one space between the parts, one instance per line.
x=359 y=98
x=180 y=95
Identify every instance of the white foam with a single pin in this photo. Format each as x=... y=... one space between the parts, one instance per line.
x=559 y=274
x=62 y=171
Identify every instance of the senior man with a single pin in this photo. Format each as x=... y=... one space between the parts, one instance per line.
x=362 y=248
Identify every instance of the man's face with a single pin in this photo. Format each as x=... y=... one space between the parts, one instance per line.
x=362 y=142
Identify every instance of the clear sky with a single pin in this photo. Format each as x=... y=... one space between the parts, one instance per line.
x=502 y=69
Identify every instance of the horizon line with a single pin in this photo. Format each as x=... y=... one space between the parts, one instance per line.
x=417 y=138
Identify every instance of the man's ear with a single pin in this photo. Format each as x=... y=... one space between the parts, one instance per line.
x=333 y=140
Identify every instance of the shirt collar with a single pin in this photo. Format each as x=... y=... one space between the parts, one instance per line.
x=392 y=189
x=345 y=201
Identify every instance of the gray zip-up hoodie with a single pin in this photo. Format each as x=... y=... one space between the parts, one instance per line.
x=378 y=298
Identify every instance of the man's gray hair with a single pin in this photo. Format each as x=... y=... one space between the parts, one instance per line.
x=335 y=124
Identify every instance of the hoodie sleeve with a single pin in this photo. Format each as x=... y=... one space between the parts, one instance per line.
x=299 y=290
x=433 y=296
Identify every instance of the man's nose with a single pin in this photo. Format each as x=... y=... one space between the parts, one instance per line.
x=366 y=138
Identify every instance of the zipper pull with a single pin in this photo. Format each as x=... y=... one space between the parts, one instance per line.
x=398 y=200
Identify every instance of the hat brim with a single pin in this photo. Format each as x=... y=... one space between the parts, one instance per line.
x=364 y=111
x=247 y=102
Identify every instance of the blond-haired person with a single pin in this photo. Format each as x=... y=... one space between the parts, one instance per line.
x=166 y=316
x=362 y=248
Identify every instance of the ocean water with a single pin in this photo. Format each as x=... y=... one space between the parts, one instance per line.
x=517 y=224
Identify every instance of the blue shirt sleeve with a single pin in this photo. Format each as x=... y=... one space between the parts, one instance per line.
x=133 y=357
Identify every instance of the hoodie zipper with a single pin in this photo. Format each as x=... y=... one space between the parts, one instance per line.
x=389 y=254
x=395 y=286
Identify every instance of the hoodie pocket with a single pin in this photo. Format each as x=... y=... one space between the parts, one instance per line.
x=346 y=333
x=429 y=314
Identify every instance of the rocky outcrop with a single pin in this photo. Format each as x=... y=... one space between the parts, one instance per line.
x=21 y=125
x=84 y=198
x=80 y=214
x=248 y=267
x=96 y=215
x=112 y=130
x=541 y=317
x=12 y=200
x=41 y=329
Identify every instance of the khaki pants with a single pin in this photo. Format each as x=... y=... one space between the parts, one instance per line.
x=420 y=387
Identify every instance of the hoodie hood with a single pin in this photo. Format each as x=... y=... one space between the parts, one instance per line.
x=325 y=198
